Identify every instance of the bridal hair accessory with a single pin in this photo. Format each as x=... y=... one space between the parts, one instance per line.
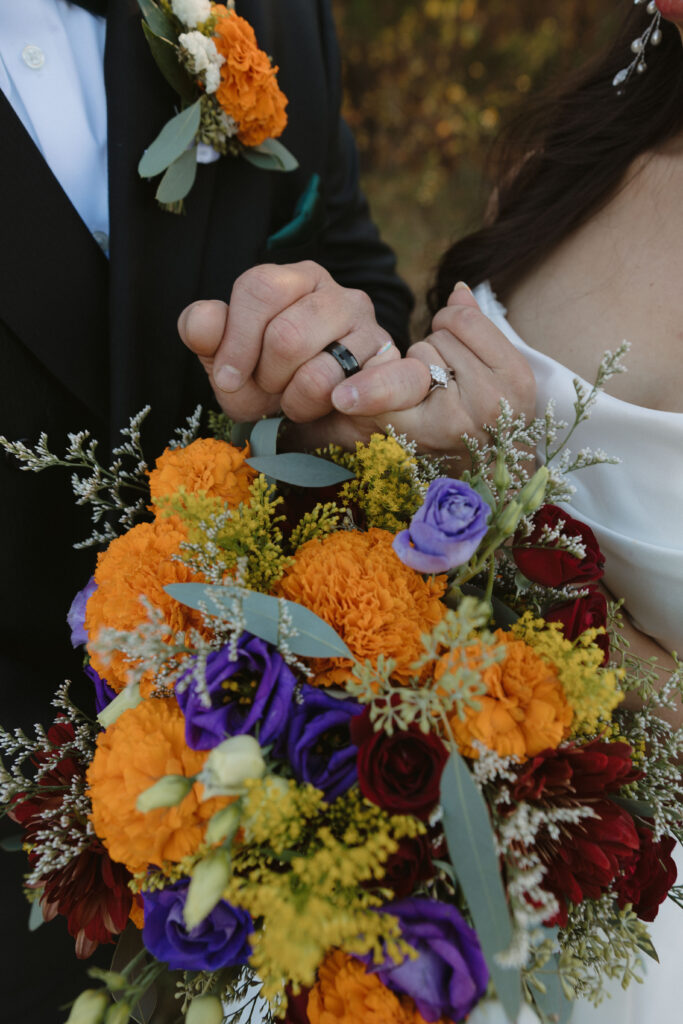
x=439 y=377
x=346 y=359
x=229 y=98
x=652 y=35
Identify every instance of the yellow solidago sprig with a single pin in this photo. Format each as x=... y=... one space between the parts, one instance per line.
x=387 y=486
x=592 y=691
x=221 y=539
x=306 y=883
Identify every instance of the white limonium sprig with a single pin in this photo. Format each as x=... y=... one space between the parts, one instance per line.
x=201 y=57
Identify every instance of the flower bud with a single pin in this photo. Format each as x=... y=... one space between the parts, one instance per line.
x=533 y=492
x=89 y=1008
x=501 y=475
x=166 y=792
x=223 y=825
x=209 y=879
x=230 y=764
x=112 y=979
x=508 y=519
x=205 y=1010
x=128 y=698
x=119 y=1013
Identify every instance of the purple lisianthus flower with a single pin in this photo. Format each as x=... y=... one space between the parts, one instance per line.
x=104 y=694
x=318 y=742
x=221 y=940
x=76 y=614
x=449 y=975
x=255 y=689
x=446 y=530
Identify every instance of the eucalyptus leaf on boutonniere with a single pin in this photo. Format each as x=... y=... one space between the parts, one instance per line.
x=230 y=101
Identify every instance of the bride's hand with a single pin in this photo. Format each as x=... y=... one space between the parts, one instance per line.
x=487 y=368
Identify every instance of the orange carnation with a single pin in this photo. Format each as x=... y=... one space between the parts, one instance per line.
x=214 y=467
x=524 y=711
x=141 y=562
x=345 y=994
x=357 y=583
x=248 y=92
x=144 y=744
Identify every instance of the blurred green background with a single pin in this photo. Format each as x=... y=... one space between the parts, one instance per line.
x=428 y=83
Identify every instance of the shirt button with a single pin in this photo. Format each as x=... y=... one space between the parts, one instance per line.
x=33 y=56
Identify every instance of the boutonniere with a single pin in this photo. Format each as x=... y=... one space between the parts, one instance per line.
x=230 y=101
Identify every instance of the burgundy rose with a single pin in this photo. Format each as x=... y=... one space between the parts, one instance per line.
x=296 y=1006
x=400 y=773
x=410 y=865
x=647 y=880
x=587 y=856
x=553 y=567
x=589 y=612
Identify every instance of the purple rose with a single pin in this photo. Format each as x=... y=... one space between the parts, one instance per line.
x=318 y=742
x=446 y=530
x=449 y=975
x=221 y=940
x=76 y=614
x=104 y=694
x=254 y=690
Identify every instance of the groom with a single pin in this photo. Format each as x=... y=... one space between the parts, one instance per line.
x=87 y=339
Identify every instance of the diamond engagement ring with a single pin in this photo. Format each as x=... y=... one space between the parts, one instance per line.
x=439 y=377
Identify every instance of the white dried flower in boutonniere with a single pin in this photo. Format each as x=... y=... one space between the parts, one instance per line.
x=210 y=67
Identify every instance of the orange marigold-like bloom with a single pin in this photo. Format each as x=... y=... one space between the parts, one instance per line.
x=345 y=994
x=215 y=467
x=524 y=711
x=142 y=745
x=357 y=583
x=139 y=563
x=248 y=92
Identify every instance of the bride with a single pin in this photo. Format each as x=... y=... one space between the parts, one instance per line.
x=582 y=251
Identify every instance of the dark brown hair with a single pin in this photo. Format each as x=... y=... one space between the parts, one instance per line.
x=565 y=155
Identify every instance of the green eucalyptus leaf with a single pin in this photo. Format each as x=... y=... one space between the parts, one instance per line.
x=636 y=808
x=158 y=22
x=178 y=178
x=166 y=58
x=300 y=469
x=171 y=142
x=314 y=638
x=553 y=1003
x=271 y=155
x=473 y=854
x=263 y=439
x=35 y=918
x=11 y=844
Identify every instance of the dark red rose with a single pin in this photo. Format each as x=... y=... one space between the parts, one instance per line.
x=647 y=880
x=553 y=567
x=400 y=773
x=411 y=864
x=589 y=612
x=296 y=1007
x=588 y=855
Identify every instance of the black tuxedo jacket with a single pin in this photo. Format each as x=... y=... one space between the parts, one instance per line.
x=85 y=341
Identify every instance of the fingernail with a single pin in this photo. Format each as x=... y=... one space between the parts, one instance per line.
x=227 y=378
x=345 y=397
x=461 y=284
x=385 y=347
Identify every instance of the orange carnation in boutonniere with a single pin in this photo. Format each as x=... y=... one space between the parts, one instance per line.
x=525 y=709
x=248 y=92
x=356 y=582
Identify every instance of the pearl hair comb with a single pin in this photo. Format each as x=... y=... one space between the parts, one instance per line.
x=651 y=36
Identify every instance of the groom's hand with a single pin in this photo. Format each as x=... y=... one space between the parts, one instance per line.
x=264 y=350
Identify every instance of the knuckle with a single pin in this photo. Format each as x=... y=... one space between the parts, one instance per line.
x=284 y=339
x=457 y=319
x=260 y=285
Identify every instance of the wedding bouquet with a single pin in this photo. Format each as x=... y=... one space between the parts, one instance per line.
x=359 y=758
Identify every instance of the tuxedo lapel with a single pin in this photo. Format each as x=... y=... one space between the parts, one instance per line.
x=157 y=257
x=53 y=287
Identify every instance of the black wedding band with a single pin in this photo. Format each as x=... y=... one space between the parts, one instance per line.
x=346 y=359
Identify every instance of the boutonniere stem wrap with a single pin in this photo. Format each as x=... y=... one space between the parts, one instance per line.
x=230 y=100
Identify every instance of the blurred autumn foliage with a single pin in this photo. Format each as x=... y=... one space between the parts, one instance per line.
x=428 y=83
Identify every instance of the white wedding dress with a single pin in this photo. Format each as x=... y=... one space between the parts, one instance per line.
x=636 y=511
